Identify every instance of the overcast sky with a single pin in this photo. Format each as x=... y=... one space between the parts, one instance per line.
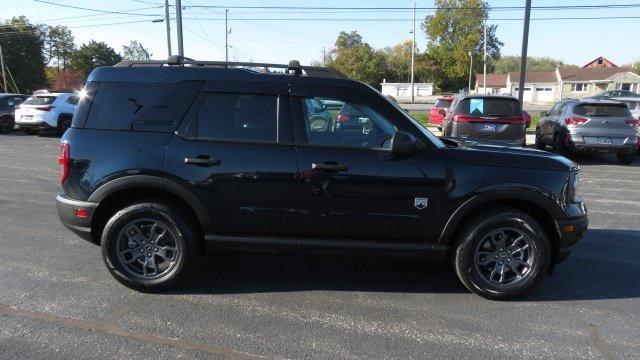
x=574 y=41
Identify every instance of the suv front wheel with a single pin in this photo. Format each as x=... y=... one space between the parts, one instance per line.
x=502 y=254
x=147 y=246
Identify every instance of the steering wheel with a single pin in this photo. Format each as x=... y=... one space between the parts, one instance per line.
x=318 y=123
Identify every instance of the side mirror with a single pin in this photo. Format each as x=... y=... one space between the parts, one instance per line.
x=442 y=112
x=403 y=143
x=544 y=114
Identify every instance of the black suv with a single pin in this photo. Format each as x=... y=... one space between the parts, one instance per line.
x=165 y=160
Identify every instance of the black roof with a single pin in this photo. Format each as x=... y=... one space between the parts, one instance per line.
x=172 y=71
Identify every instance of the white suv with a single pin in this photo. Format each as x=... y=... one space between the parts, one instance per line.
x=46 y=112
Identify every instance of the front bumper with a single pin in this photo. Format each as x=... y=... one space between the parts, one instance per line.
x=571 y=231
x=67 y=211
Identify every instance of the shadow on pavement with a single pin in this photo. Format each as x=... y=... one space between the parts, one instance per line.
x=604 y=265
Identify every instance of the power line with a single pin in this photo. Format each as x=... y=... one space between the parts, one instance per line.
x=96 y=10
x=398 y=19
x=551 y=7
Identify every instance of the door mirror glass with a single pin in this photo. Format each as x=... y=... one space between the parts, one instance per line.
x=403 y=143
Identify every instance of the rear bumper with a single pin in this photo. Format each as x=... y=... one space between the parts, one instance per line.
x=579 y=142
x=36 y=126
x=67 y=208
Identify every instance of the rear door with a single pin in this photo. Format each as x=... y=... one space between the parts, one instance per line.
x=234 y=151
x=352 y=189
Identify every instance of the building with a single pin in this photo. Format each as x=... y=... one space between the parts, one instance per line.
x=596 y=76
x=402 y=91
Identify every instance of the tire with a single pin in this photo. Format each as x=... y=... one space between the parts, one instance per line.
x=31 y=131
x=64 y=122
x=626 y=158
x=476 y=270
x=118 y=241
x=558 y=144
x=539 y=144
x=6 y=124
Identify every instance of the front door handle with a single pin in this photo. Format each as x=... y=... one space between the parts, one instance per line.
x=330 y=166
x=202 y=160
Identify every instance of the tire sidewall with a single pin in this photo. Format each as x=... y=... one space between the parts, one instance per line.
x=181 y=229
x=465 y=262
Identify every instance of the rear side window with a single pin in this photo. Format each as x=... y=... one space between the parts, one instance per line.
x=443 y=103
x=142 y=107
x=602 y=110
x=489 y=107
x=40 y=100
x=237 y=117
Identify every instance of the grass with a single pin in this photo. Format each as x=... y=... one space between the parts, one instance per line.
x=423 y=118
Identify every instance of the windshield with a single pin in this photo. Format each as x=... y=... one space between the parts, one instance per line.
x=40 y=100
x=618 y=110
x=488 y=107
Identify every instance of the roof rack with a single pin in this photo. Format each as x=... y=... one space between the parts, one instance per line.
x=293 y=67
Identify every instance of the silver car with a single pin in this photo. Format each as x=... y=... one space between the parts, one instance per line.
x=633 y=103
x=590 y=125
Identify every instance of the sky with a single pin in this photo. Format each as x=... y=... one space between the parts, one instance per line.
x=291 y=37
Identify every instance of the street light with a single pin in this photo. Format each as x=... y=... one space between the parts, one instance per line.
x=470 y=69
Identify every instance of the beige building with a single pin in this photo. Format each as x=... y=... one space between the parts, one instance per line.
x=596 y=76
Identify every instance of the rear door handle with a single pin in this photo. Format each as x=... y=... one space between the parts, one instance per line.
x=330 y=166
x=202 y=160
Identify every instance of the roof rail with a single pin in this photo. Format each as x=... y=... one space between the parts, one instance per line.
x=293 y=67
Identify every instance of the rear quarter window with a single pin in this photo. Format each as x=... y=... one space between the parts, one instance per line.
x=488 y=107
x=140 y=107
x=602 y=110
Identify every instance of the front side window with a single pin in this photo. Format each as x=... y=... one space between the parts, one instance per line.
x=237 y=117
x=348 y=124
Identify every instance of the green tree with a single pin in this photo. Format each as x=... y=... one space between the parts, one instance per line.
x=59 y=46
x=357 y=59
x=512 y=63
x=22 y=46
x=453 y=31
x=92 y=55
x=135 y=51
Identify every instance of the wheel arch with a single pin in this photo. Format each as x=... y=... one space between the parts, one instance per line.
x=125 y=190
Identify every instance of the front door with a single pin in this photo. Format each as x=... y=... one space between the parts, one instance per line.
x=352 y=188
x=234 y=152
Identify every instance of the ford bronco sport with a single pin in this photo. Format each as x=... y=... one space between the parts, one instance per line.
x=167 y=159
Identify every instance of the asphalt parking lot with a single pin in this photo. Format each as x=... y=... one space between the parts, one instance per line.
x=57 y=300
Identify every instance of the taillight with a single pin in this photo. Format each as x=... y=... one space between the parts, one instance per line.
x=64 y=160
x=633 y=122
x=343 y=118
x=44 y=107
x=575 y=120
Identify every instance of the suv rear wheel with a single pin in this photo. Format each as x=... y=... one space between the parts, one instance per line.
x=540 y=145
x=627 y=158
x=502 y=254
x=6 y=124
x=147 y=246
x=63 y=124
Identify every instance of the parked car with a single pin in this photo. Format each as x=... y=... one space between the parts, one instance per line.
x=496 y=119
x=615 y=94
x=47 y=112
x=633 y=103
x=590 y=125
x=8 y=103
x=439 y=111
x=179 y=159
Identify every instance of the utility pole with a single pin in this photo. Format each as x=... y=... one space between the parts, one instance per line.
x=470 y=70
x=523 y=55
x=167 y=20
x=324 y=56
x=146 y=53
x=226 y=35
x=413 y=52
x=179 y=26
x=4 y=77
x=484 y=76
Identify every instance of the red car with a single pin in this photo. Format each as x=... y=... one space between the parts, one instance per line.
x=436 y=117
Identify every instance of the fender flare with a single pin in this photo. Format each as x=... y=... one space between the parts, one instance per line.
x=529 y=194
x=158 y=183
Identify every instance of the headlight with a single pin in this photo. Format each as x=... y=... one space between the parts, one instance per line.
x=572 y=187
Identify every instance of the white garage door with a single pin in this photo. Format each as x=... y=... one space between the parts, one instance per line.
x=544 y=94
x=527 y=96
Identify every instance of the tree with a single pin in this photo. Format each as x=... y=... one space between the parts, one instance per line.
x=67 y=80
x=59 y=46
x=135 y=51
x=357 y=59
x=22 y=47
x=512 y=63
x=92 y=55
x=398 y=62
x=453 y=31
